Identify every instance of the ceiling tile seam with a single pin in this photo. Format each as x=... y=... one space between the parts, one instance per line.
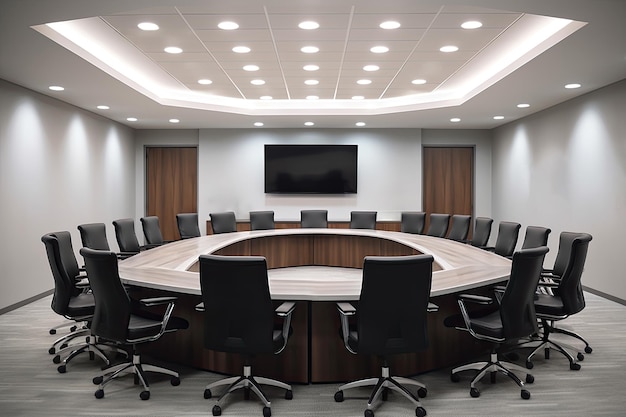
x=206 y=48
x=278 y=60
x=343 y=54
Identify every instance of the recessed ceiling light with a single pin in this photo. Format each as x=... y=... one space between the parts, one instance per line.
x=103 y=107
x=310 y=49
x=455 y=120
x=471 y=24
x=311 y=82
x=312 y=97
x=309 y=123
x=56 y=88
x=310 y=67
x=418 y=81
x=364 y=82
x=379 y=49
x=173 y=50
x=498 y=117
x=257 y=82
x=258 y=124
x=573 y=85
x=265 y=97
x=148 y=26
x=131 y=119
x=205 y=81
x=251 y=68
x=449 y=48
x=308 y=25
x=228 y=25
x=174 y=121
x=360 y=124
x=371 y=68
x=523 y=105
x=241 y=49
x=390 y=24
x=357 y=97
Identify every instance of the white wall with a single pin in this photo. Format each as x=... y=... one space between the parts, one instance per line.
x=565 y=168
x=59 y=167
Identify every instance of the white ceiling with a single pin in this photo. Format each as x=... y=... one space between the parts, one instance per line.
x=136 y=78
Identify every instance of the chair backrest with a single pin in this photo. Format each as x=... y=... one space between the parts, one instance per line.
x=482 y=231
x=239 y=314
x=188 y=225
x=64 y=283
x=152 y=230
x=412 y=222
x=536 y=236
x=508 y=233
x=314 y=218
x=460 y=227
x=438 y=226
x=517 y=307
x=570 y=286
x=223 y=222
x=391 y=316
x=112 y=313
x=94 y=236
x=262 y=220
x=363 y=220
x=125 y=235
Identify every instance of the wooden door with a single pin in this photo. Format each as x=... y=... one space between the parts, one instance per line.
x=171 y=185
x=448 y=175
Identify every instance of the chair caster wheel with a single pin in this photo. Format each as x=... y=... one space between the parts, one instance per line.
x=369 y=413
x=339 y=396
x=53 y=331
x=63 y=346
x=217 y=410
x=574 y=366
x=207 y=394
x=455 y=377
x=580 y=356
x=52 y=351
x=422 y=392
x=62 y=369
x=289 y=394
x=474 y=392
x=97 y=380
x=73 y=329
x=99 y=394
x=530 y=379
x=267 y=412
x=175 y=381
x=56 y=359
x=529 y=365
x=588 y=349
x=525 y=394
x=420 y=412
x=144 y=395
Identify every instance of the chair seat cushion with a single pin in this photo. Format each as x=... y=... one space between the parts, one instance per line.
x=489 y=325
x=82 y=305
x=551 y=305
x=144 y=325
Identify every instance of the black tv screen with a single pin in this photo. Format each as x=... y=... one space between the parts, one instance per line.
x=311 y=169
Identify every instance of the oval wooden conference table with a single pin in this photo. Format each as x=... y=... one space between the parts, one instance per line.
x=316 y=268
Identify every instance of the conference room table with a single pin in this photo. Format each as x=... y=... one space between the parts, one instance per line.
x=316 y=268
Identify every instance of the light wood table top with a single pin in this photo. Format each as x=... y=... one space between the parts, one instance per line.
x=461 y=266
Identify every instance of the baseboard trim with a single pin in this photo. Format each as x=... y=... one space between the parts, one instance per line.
x=605 y=295
x=24 y=302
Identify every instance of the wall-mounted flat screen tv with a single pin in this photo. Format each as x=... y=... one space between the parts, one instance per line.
x=311 y=169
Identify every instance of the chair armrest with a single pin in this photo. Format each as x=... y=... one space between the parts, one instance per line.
x=124 y=255
x=150 y=302
x=285 y=309
x=200 y=307
x=82 y=283
x=477 y=299
x=346 y=309
x=432 y=307
x=488 y=248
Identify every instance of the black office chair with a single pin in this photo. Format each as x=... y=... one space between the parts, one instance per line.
x=239 y=318
x=363 y=219
x=94 y=236
x=438 y=226
x=482 y=232
x=390 y=319
x=152 y=231
x=412 y=222
x=314 y=218
x=262 y=220
x=188 y=225
x=126 y=236
x=118 y=320
x=223 y=222
x=508 y=232
x=565 y=296
x=460 y=227
x=513 y=319
x=536 y=236
x=70 y=301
